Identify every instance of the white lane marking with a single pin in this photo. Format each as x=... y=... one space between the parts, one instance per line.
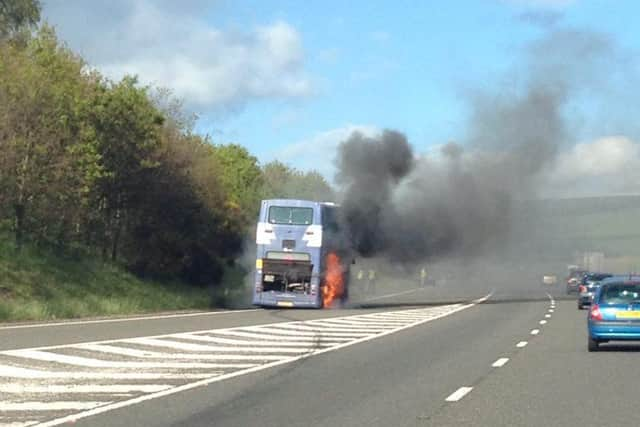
x=20 y=424
x=551 y=310
x=458 y=394
x=15 y=372
x=302 y=329
x=183 y=346
x=263 y=338
x=318 y=327
x=543 y=322
x=484 y=298
x=48 y=406
x=259 y=331
x=97 y=363
x=500 y=362
x=127 y=319
x=350 y=325
x=231 y=341
x=223 y=377
x=535 y=331
x=547 y=316
x=410 y=291
x=369 y=323
x=103 y=348
x=522 y=344
x=63 y=389
x=338 y=326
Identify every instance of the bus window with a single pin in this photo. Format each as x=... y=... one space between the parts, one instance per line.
x=329 y=219
x=290 y=215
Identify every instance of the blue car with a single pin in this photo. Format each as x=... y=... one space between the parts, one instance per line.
x=615 y=312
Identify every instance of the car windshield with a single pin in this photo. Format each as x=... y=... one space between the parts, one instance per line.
x=620 y=294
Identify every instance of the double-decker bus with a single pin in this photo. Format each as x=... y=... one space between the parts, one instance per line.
x=302 y=257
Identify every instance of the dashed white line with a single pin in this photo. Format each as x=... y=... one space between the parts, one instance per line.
x=547 y=316
x=500 y=362
x=522 y=344
x=458 y=394
x=543 y=322
x=535 y=331
x=551 y=310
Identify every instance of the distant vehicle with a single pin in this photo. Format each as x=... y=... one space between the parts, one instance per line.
x=549 y=280
x=588 y=286
x=302 y=259
x=573 y=281
x=615 y=312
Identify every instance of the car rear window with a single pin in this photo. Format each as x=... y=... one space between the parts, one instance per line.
x=620 y=294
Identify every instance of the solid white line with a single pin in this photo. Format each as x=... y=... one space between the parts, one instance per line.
x=522 y=344
x=48 y=406
x=122 y=404
x=543 y=322
x=500 y=362
x=63 y=389
x=97 y=363
x=126 y=319
x=458 y=394
x=535 y=331
x=103 y=348
x=15 y=372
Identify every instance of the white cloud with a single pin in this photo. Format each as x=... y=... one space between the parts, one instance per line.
x=607 y=165
x=319 y=151
x=176 y=48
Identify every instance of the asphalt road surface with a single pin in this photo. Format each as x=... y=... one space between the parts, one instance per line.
x=513 y=359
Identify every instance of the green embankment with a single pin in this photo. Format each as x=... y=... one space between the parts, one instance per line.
x=36 y=284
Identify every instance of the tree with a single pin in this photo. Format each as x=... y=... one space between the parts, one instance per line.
x=282 y=181
x=17 y=16
x=46 y=156
x=127 y=127
x=241 y=179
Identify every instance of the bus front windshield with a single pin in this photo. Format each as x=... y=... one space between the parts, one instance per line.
x=290 y=215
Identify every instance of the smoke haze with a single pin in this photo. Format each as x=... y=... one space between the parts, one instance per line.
x=467 y=199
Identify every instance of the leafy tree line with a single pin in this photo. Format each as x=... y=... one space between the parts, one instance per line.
x=115 y=168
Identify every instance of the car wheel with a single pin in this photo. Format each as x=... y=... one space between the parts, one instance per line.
x=593 y=345
x=580 y=306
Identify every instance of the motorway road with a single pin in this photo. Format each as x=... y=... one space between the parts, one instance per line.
x=488 y=363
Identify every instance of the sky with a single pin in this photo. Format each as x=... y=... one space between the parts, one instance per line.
x=292 y=79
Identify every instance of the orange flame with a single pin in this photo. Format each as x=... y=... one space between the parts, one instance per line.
x=333 y=281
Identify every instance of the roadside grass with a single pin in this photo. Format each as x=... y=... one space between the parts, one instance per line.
x=36 y=284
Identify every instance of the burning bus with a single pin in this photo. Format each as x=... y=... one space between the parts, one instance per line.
x=302 y=257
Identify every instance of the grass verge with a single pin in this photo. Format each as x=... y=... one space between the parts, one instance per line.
x=36 y=284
